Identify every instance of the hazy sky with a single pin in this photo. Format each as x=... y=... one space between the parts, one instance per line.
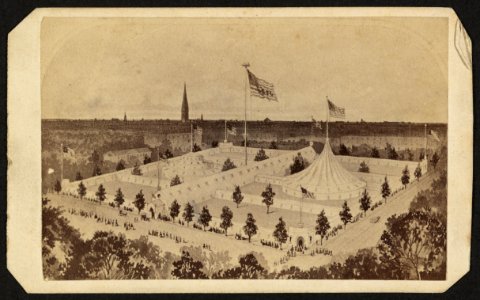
x=379 y=69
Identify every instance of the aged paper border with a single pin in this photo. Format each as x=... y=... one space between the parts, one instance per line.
x=24 y=162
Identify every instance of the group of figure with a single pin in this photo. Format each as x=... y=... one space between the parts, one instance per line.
x=167 y=235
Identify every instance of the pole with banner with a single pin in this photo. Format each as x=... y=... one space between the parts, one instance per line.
x=246 y=65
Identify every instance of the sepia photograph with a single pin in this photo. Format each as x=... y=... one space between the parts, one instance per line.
x=255 y=147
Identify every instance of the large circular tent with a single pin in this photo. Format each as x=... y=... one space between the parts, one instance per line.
x=324 y=179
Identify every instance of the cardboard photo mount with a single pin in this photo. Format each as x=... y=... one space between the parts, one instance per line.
x=24 y=259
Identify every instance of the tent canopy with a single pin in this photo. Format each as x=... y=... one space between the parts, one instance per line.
x=326 y=178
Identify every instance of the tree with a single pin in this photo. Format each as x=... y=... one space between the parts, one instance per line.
x=136 y=170
x=345 y=214
x=78 y=176
x=413 y=242
x=188 y=213
x=95 y=158
x=120 y=165
x=174 y=210
x=391 y=153
x=365 y=201
x=237 y=195
x=364 y=167
x=250 y=228
x=188 y=268
x=299 y=164
x=226 y=216
x=405 y=176
x=280 y=232
x=139 y=201
x=418 y=172
x=58 y=186
x=196 y=148
x=82 y=190
x=261 y=155
x=147 y=159
x=409 y=154
x=385 y=190
x=119 y=198
x=421 y=156
x=168 y=154
x=175 y=181
x=273 y=145
x=108 y=253
x=323 y=225
x=267 y=196
x=205 y=217
x=228 y=165
x=96 y=171
x=434 y=160
x=375 y=153
x=101 y=193
x=250 y=268
x=343 y=150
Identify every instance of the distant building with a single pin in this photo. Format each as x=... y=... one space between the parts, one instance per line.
x=125 y=117
x=185 y=104
x=127 y=155
x=178 y=141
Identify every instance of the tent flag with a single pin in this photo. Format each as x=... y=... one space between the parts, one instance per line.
x=306 y=193
x=231 y=130
x=316 y=123
x=335 y=111
x=434 y=134
x=68 y=151
x=261 y=88
x=50 y=171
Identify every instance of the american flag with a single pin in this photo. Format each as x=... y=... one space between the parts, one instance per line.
x=306 y=193
x=335 y=111
x=68 y=151
x=434 y=135
x=316 y=124
x=261 y=88
x=231 y=130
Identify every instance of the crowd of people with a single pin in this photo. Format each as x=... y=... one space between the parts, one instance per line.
x=93 y=215
x=128 y=226
x=269 y=244
x=167 y=235
x=323 y=251
x=216 y=230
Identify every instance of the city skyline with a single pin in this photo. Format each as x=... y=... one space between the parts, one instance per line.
x=141 y=71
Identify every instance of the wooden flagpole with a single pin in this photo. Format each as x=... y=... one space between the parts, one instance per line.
x=328 y=116
x=61 y=162
x=246 y=65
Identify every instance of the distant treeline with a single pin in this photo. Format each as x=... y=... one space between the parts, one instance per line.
x=282 y=129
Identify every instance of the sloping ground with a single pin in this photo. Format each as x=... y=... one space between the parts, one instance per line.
x=365 y=233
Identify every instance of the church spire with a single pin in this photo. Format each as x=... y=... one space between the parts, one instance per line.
x=185 y=104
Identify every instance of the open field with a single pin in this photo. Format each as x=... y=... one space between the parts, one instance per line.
x=358 y=235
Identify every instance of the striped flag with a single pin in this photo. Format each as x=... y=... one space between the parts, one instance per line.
x=261 y=88
x=316 y=124
x=335 y=111
x=231 y=130
x=306 y=193
x=68 y=151
x=434 y=135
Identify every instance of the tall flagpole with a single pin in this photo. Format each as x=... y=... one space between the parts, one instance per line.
x=425 y=151
x=158 y=169
x=225 y=130
x=61 y=162
x=191 y=137
x=328 y=116
x=246 y=65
